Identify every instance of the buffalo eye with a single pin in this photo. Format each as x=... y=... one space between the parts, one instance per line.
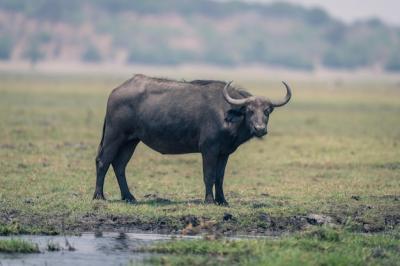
x=267 y=111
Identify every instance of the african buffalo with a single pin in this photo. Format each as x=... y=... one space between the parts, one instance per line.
x=175 y=117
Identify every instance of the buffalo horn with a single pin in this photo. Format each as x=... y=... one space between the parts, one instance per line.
x=287 y=97
x=237 y=102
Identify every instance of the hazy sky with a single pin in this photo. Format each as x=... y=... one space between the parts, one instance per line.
x=350 y=10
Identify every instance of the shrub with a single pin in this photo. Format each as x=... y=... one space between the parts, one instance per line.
x=6 y=45
x=91 y=54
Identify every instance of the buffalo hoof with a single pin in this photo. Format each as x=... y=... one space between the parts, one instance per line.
x=129 y=200
x=209 y=200
x=98 y=196
x=222 y=203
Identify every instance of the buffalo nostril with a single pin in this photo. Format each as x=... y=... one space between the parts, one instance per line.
x=259 y=127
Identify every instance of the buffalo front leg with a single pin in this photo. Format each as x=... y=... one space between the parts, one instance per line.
x=119 y=164
x=219 y=182
x=210 y=163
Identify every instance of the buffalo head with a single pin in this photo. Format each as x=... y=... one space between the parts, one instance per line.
x=256 y=110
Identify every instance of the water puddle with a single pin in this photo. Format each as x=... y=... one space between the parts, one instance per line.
x=90 y=249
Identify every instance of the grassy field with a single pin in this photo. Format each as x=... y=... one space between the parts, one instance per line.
x=322 y=246
x=332 y=157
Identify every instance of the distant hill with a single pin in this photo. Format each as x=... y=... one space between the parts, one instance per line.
x=192 y=31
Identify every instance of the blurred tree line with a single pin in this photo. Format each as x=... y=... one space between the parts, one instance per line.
x=212 y=32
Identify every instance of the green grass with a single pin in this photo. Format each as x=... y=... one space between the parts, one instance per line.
x=17 y=246
x=332 y=142
x=317 y=247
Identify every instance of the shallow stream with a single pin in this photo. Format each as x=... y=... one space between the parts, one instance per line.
x=90 y=249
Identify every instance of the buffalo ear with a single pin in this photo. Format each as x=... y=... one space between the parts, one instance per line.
x=234 y=115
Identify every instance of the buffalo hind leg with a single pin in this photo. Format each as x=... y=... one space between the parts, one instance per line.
x=119 y=165
x=105 y=156
x=210 y=161
x=219 y=182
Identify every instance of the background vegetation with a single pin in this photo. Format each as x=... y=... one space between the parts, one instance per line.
x=173 y=32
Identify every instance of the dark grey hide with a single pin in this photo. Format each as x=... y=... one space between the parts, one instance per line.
x=172 y=117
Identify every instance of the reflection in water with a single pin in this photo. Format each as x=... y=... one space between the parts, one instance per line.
x=118 y=243
x=98 y=234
